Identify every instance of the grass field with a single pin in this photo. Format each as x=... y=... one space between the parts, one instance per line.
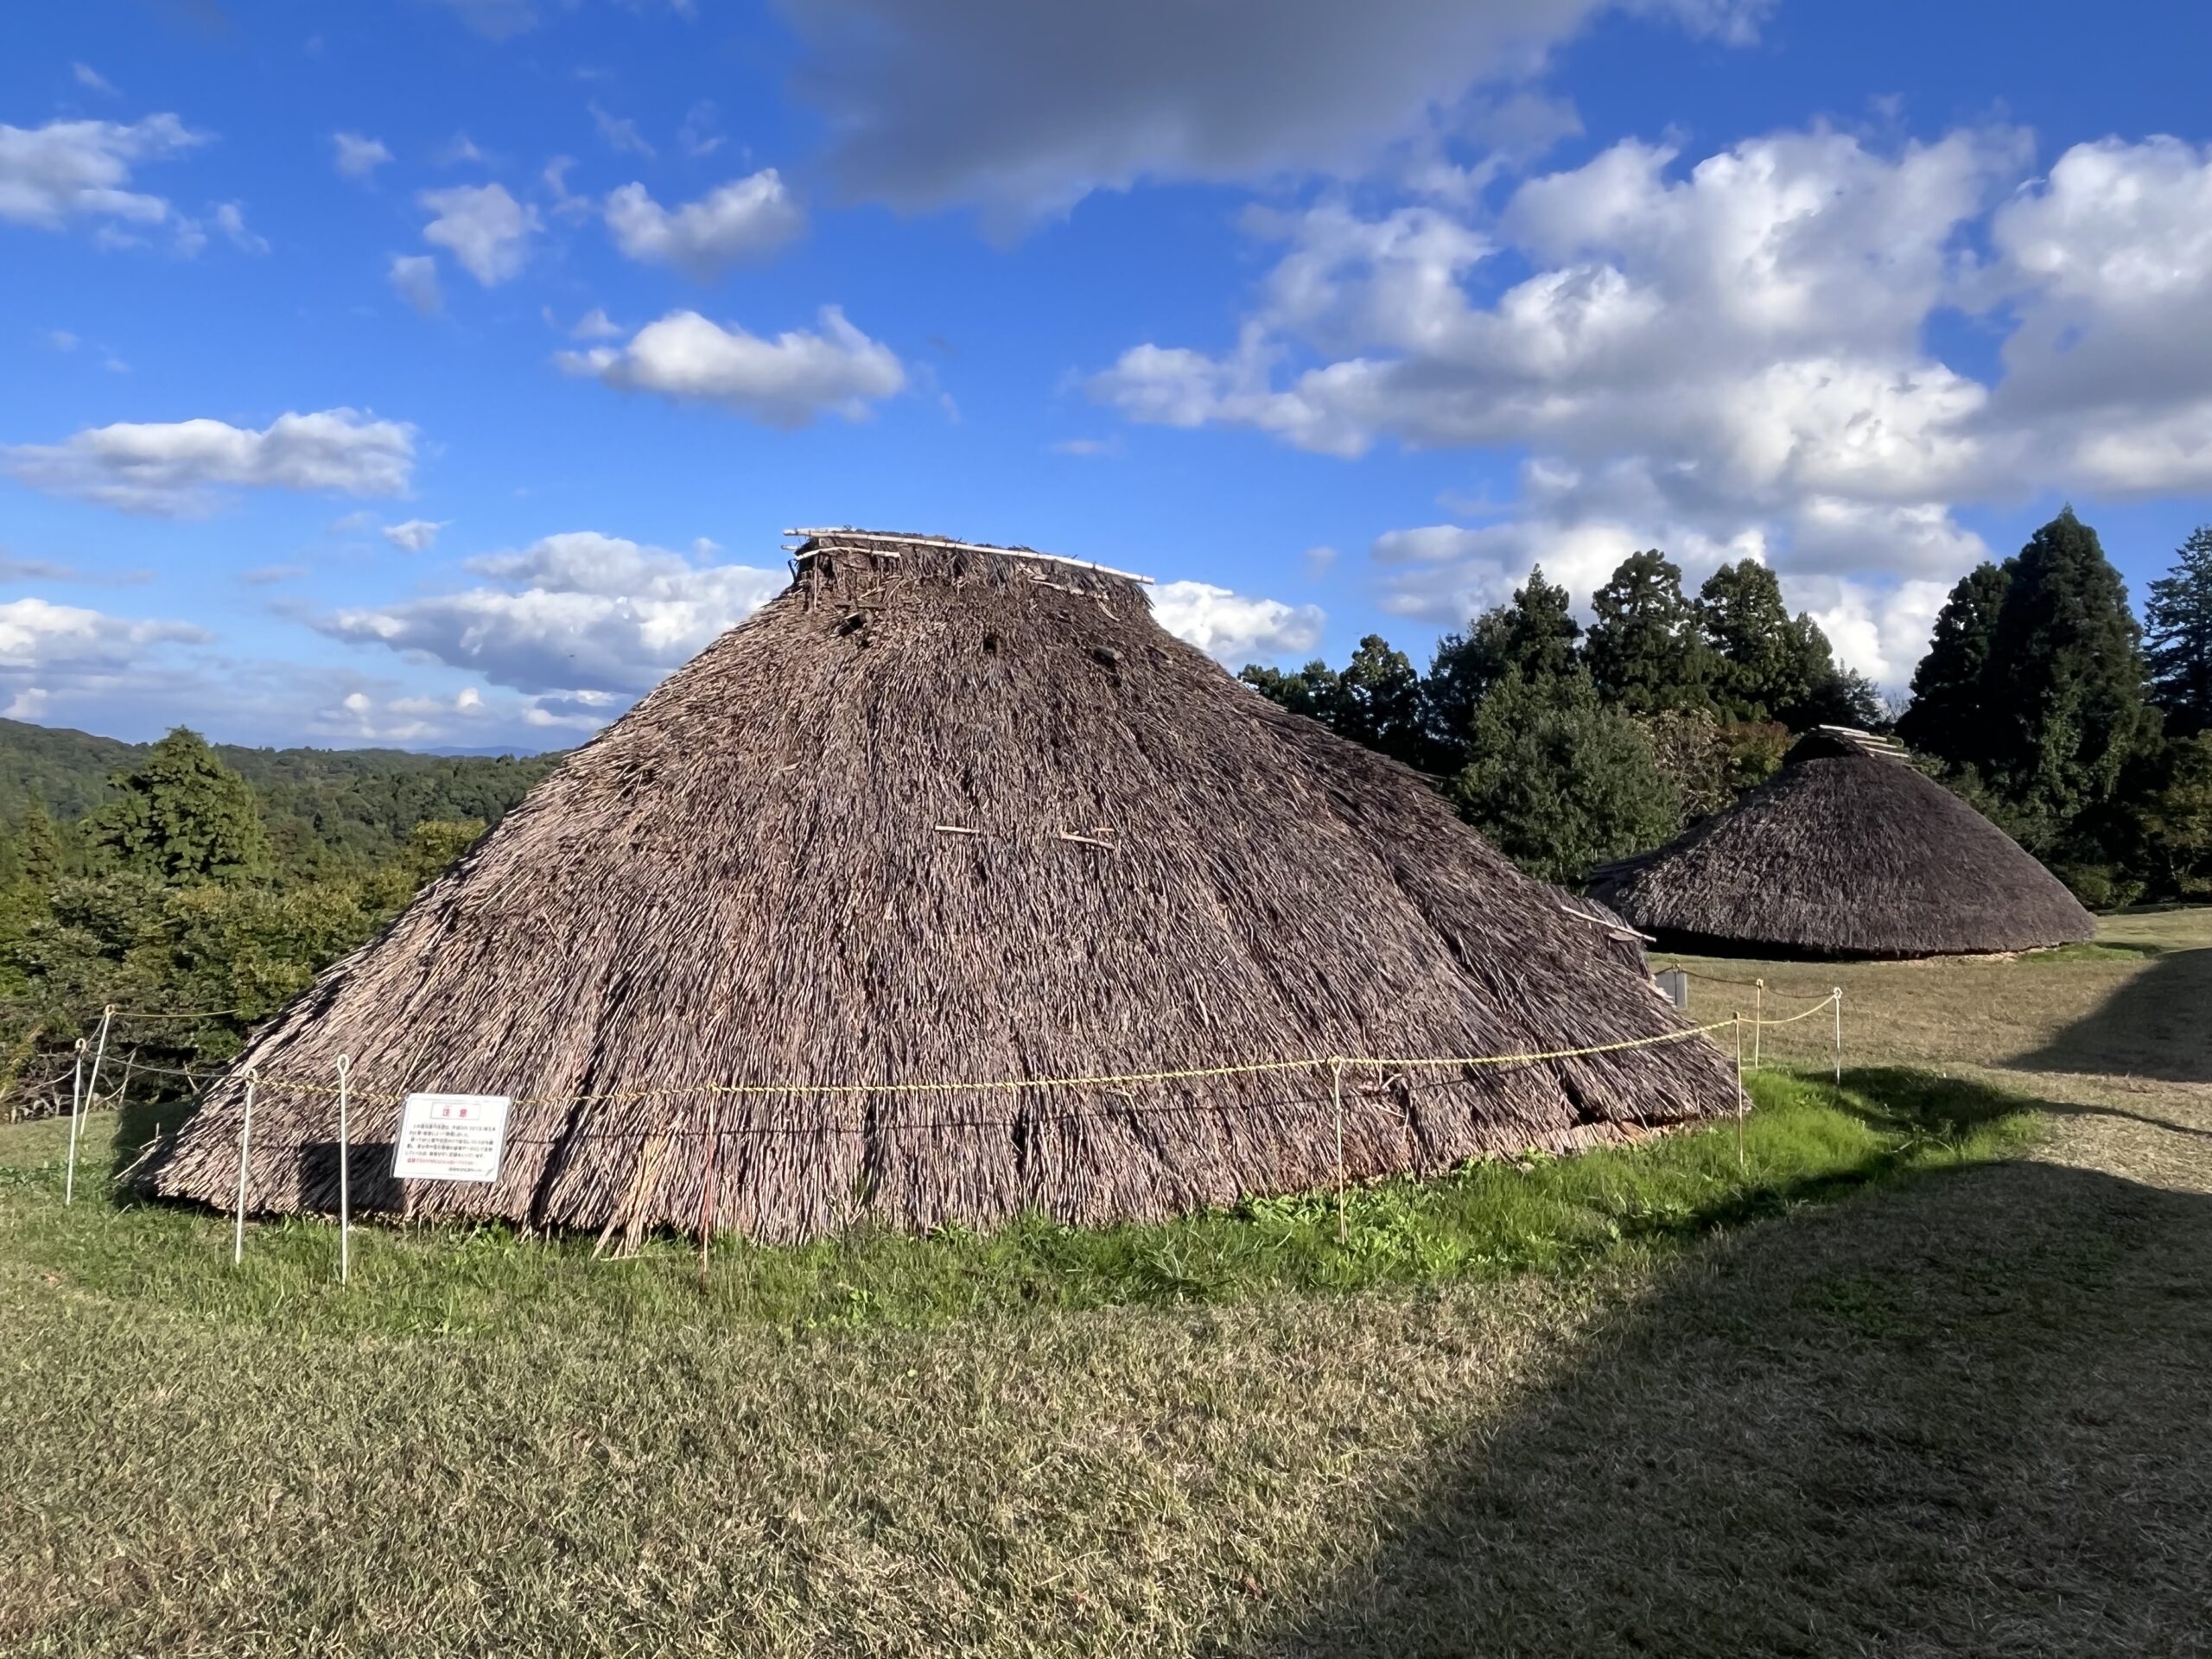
x=1928 y=1374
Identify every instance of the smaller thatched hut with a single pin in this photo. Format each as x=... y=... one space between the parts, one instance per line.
x=1850 y=851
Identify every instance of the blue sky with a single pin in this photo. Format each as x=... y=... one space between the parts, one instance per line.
x=443 y=372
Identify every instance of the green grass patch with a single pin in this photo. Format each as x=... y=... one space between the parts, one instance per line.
x=1805 y=1142
x=2097 y=951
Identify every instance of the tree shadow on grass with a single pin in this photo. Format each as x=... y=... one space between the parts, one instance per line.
x=2157 y=1024
x=1968 y=1413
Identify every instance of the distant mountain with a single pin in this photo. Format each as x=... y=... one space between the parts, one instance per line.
x=321 y=806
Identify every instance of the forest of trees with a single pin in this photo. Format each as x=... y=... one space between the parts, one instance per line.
x=195 y=900
x=2041 y=700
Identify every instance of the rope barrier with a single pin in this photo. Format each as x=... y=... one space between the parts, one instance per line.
x=1096 y=1080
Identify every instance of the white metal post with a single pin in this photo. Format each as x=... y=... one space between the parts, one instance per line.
x=76 y=1114
x=344 y=1196
x=245 y=1145
x=1838 y=1036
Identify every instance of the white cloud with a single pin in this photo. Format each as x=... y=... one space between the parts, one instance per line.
x=696 y=137
x=596 y=324
x=1232 y=628
x=416 y=535
x=61 y=340
x=49 y=650
x=1024 y=108
x=178 y=469
x=461 y=151
x=621 y=135
x=358 y=156
x=1731 y=359
x=554 y=177
x=746 y=218
x=230 y=219
x=91 y=80
x=1087 y=448
x=582 y=618
x=81 y=169
x=786 y=381
x=414 y=278
x=483 y=227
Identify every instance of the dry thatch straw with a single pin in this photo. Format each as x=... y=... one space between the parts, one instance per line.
x=1849 y=852
x=942 y=813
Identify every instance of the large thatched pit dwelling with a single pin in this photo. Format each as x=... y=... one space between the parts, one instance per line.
x=945 y=813
x=1849 y=851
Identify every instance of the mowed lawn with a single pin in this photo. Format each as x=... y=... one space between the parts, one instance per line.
x=1930 y=1371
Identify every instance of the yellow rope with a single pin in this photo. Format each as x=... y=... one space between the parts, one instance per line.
x=1097 y=1080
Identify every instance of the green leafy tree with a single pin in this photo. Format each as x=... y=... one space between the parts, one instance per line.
x=1645 y=651
x=1313 y=690
x=1559 y=782
x=1952 y=714
x=2179 y=618
x=2178 y=820
x=2066 y=682
x=1378 y=701
x=1536 y=636
x=181 y=816
x=1760 y=664
x=1767 y=664
x=39 y=857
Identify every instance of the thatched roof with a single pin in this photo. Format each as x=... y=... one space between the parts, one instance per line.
x=947 y=813
x=1849 y=851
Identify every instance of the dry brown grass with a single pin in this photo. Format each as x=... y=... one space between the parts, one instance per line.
x=1968 y=1414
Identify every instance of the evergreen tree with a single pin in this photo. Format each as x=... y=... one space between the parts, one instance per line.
x=1378 y=701
x=1767 y=664
x=2178 y=821
x=1951 y=714
x=1645 y=651
x=1313 y=690
x=181 y=816
x=39 y=860
x=1537 y=635
x=1759 y=657
x=2066 y=680
x=1559 y=782
x=2179 y=618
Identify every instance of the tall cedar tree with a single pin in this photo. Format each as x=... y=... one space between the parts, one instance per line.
x=1952 y=714
x=2179 y=624
x=181 y=816
x=2065 y=680
x=1378 y=701
x=1645 y=651
x=1536 y=636
x=1768 y=664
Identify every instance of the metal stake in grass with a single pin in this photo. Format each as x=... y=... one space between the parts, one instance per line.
x=1758 y=1018
x=344 y=1193
x=76 y=1112
x=1838 y=994
x=1740 y=1089
x=246 y=1142
x=1337 y=1098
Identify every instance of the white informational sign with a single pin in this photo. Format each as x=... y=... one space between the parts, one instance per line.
x=451 y=1138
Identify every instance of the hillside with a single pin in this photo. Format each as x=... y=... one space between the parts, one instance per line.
x=350 y=803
